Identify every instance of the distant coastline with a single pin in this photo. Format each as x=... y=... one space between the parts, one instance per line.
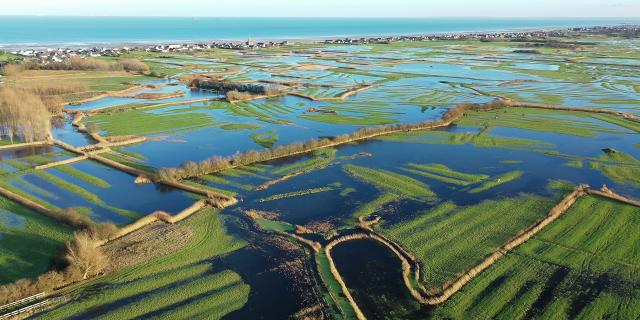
x=18 y=32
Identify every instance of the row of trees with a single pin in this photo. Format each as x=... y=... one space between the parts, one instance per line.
x=23 y=115
x=216 y=164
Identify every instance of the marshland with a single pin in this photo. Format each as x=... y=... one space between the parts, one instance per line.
x=403 y=180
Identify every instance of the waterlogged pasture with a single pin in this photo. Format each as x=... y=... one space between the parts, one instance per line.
x=415 y=171
x=102 y=193
x=450 y=196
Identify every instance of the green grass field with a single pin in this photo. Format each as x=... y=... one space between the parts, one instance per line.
x=28 y=241
x=496 y=181
x=618 y=166
x=583 y=266
x=393 y=187
x=482 y=139
x=143 y=122
x=265 y=139
x=541 y=120
x=391 y=182
x=449 y=239
x=321 y=158
x=178 y=285
x=240 y=126
x=445 y=174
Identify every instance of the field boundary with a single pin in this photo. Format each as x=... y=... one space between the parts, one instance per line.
x=26 y=144
x=409 y=261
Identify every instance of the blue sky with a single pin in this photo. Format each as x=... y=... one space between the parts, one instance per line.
x=328 y=8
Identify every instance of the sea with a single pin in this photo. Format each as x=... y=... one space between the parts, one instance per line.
x=42 y=31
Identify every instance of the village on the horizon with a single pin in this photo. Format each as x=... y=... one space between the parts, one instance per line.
x=51 y=55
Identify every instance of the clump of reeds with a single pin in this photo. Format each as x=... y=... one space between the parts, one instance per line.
x=236 y=95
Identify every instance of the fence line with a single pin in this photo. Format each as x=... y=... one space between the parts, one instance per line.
x=23 y=301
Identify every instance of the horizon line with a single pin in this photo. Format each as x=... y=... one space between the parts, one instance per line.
x=315 y=17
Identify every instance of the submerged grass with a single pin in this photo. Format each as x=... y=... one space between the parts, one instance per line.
x=445 y=174
x=374 y=205
x=392 y=182
x=482 y=139
x=265 y=139
x=67 y=169
x=240 y=126
x=343 y=119
x=496 y=181
x=321 y=158
x=296 y=193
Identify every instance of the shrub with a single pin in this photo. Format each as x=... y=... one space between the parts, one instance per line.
x=74 y=218
x=102 y=231
x=133 y=65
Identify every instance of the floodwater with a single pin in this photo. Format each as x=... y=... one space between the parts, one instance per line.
x=373 y=274
x=412 y=85
x=118 y=194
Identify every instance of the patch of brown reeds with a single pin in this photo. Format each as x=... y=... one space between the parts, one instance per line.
x=82 y=64
x=235 y=95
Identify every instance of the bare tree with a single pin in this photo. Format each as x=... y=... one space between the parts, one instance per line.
x=23 y=114
x=85 y=256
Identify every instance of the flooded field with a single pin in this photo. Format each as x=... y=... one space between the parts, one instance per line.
x=474 y=144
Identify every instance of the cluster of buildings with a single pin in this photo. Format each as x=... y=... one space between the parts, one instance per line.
x=58 y=55
x=625 y=30
x=452 y=36
x=216 y=45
